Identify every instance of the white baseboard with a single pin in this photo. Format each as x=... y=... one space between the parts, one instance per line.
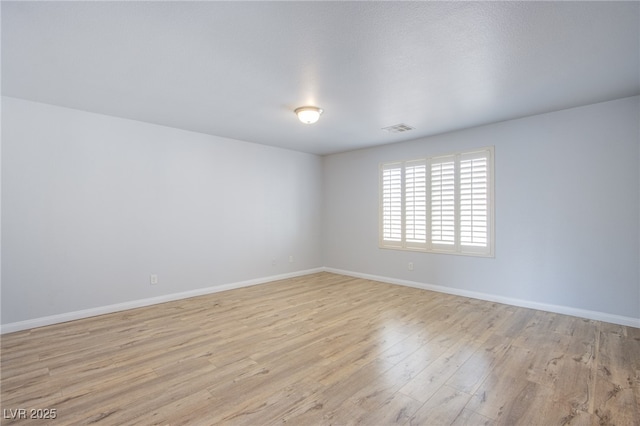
x=558 y=309
x=86 y=313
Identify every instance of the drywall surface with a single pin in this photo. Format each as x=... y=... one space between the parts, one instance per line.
x=93 y=205
x=567 y=207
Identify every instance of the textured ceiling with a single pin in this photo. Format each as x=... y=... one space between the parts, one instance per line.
x=239 y=69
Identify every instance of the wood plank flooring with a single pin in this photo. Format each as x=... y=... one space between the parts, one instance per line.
x=325 y=349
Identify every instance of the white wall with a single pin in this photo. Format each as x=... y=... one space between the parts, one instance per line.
x=91 y=205
x=567 y=211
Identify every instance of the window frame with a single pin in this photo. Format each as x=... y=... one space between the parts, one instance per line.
x=461 y=206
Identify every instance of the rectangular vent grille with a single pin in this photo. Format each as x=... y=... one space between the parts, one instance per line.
x=398 y=128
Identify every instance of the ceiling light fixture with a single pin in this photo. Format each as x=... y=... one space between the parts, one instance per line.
x=308 y=114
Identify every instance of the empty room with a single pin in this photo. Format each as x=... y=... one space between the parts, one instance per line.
x=320 y=213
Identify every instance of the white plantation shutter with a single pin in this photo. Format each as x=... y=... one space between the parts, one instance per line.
x=439 y=204
x=443 y=202
x=474 y=201
x=391 y=204
x=416 y=203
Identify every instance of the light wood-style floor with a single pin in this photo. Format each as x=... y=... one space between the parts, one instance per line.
x=326 y=349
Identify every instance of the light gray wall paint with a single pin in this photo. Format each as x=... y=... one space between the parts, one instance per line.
x=567 y=208
x=91 y=205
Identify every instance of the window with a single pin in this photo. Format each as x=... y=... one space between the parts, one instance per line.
x=439 y=204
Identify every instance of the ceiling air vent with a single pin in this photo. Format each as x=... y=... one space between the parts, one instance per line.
x=398 y=128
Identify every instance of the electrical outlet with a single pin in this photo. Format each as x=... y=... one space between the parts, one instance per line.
x=291 y=259
x=411 y=266
x=273 y=262
x=154 y=279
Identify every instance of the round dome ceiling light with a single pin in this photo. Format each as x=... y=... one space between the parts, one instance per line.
x=308 y=114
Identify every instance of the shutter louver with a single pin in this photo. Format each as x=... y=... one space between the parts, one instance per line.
x=443 y=217
x=474 y=180
x=416 y=204
x=392 y=203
